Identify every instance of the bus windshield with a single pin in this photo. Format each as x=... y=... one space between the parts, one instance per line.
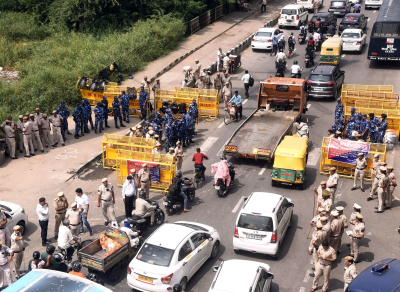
x=386 y=29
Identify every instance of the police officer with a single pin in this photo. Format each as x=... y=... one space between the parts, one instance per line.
x=20 y=125
x=313 y=223
x=361 y=164
x=337 y=127
x=326 y=255
x=64 y=113
x=392 y=186
x=343 y=219
x=107 y=199
x=17 y=245
x=356 y=210
x=125 y=105
x=145 y=179
x=351 y=127
x=358 y=122
x=358 y=233
x=27 y=132
x=104 y=103
x=36 y=131
x=4 y=264
x=46 y=128
x=319 y=237
x=60 y=207
x=157 y=149
x=189 y=128
x=365 y=125
x=350 y=271
x=10 y=139
x=57 y=121
x=373 y=133
x=336 y=231
x=74 y=217
x=375 y=175
x=333 y=180
x=78 y=119
x=339 y=105
x=98 y=117
x=326 y=201
x=382 y=127
x=4 y=232
x=194 y=110
x=218 y=84
x=143 y=99
x=383 y=189
x=116 y=105
x=182 y=131
x=168 y=135
x=139 y=131
x=179 y=155
x=87 y=115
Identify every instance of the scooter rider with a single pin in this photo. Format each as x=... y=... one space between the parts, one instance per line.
x=281 y=42
x=198 y=160
x=303 y=31
x=296 y=69
x=330 y=30
x=317 y=36
x=281 y=55
x=357 y=8
x=232 y=172
x=179 y=181
x=311 y=41
x=280 y=68
x=291 y=42
x=143 y=208
x=310 y=53
x=221 y=170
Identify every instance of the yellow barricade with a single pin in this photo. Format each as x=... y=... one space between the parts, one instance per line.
x=166 y=162
x=112 y=143
x=377 y=104
x=365 y=87
x=347 y=170
x=350 y=98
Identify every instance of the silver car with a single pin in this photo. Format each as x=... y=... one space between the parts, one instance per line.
x=15 y=215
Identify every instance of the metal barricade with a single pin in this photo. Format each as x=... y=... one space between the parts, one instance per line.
x=367 y=88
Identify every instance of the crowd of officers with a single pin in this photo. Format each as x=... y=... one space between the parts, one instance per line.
x=359 y=127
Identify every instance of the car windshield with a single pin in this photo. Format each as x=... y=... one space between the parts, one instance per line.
x=289 y=11
x=54 y=282
x=353 y=35
x=350 y=18
x=338 y=3
x=261 y=223
x=314 y=19
x=386 y=29
x=317 y=77
x=263 y=34
x=155 y=255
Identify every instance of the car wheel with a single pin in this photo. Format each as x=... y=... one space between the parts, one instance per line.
x=278 y=252
x=280 y=26
x=22 y=227
x=215 y=250
x=183 y=283
x=290 y=220
x=273 y=183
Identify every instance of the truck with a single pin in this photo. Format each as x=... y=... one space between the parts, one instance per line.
x=281 y=103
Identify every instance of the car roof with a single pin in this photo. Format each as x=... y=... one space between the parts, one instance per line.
x=352 y=30
x=12 y=207
x=261 y=201
x=232 y=270
x=267 y=29
x=321 y=14
x=387 y=280
x=323 y=69
x=353 y=14
x=292 y=6
x=169 y=235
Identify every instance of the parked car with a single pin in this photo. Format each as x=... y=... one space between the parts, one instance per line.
x=353 y=20
x=262 y=223
x=15 y=216
x=327 y=18
x=309 y=4
x=339 y=7
x=293 y=15
x=262 y=40
x=373 y=4
x=325 y=81
x=352 y=2
x=254 y=276
x=353 y=39
x=172 y=255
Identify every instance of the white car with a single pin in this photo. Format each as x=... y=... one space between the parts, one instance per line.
x=373 y=3
x=242 y=276
x=262 y=223
x=263 y=38
x=15 y=216
x=309 y=4
x=352 y=2
x=293 y=15
x=353 y=39
x=172 y=255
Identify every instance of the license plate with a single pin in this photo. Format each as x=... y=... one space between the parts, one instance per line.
x=318 y=89
x=217 y=187
x=143 y=278
x=253 y=236
x=165 y=203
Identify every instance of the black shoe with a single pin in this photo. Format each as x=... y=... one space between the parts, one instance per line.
x=95 y=131
x=35 y=150
x=313 y=268
x=47 y=146
x=384 y=205
x=369 y=199
x=63 y=144
x=92 y=127
x=69 y=133
x=20 y=151
x=312 y=274
x=82 y=134
x=56 y=237
x=107 y=126
x=27 y=156
x=122 y=125
x=117 y=126
x=81 y=232
x=127 y=122
x=56 y=143
x=362 y=190
x=14 y=157
x=99 y=130
x=32 y=154
x=191 y=141
x=48 y=240
x=42 y=151
x=87 y=131
x=106 y=223
x=44 y=244
x=353 y=188
x=376 y=207
x=91 y=233
x=378 y=211
x=76 y=136
x=64 y=138
x=388 y=208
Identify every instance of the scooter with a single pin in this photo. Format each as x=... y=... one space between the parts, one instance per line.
x=142 y=224
x=296 y=75
x=301 y=39
x=173 y=203
x=198 y=176
x=307 y=61
x=290 y=52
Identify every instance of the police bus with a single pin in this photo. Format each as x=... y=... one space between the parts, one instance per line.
x=384 y=43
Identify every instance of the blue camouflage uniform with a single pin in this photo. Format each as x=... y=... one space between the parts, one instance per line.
x=336 y=126
x=166 y=117
x=359 y=122
x=182 y=131
x=125 y=105
x=382 y=127
x=339 y=114
x=146 y=127
x=175 y=132
x=104 y=104
x=158 y=119
x=189 y=126
x=143 y=96
x=365 y=126
x=373 y=133
x=341 y=122
x=98 y=117
x=116 y=105
x=87 y=112
x=353 y=114
x=156 y=128
x=78 y=119
x=351 y=126
x=62 y=111
x=339 y=105
x=168 y=136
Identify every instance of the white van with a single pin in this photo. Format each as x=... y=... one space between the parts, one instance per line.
x=309 y=4
x=373 y=3
x=293 y=15
x=262 y=223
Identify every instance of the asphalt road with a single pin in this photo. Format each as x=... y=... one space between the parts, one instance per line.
x=292 y=268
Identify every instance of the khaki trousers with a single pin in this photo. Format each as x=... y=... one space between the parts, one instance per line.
x=310 y=248
x=146 y=187
x=381 y=198
x=389 y=196
x=17 y=260
x=335 y=242
x=151 y=214
x=7 y=270
x=47 y=140
x=11 y=146
x=28 y=143
x=179 y=161
x=38 y=142
x=319 y=271
x=333 y=192
x=57 y=135
x=374 y=188
x=315 y=257
x=5 y=236
x=354 y=247
x=108 y=211
x=74 y=230
x=360 y=173
x=21 y=141
x=59 y=218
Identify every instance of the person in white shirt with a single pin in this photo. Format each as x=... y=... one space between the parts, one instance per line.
x=246 y=79
x=134 y=240
x=42 y=210
x=83 y=203
x=296 y=69
x=129 y=195
x=219 y=54
x=64 y=238
x=280 y=55
x=226 y=62
x=316 y=36
x=184 y=83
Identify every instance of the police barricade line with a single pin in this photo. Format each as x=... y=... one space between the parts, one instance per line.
x=163 y=175
x=350 y=100
x=378 y=104
x=365 y=87
x=347 y=170
x=111 y=143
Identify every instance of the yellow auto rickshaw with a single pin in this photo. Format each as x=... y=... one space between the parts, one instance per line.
x=290 y=161
x=331 y=50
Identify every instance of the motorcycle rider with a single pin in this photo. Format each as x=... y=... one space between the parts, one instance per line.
x=221 y=170
x=132 y=235
x=310 y=53
x=179 y=181
x=291 y=42
x=144 y=209
x=280 y=68
x=36 y=262
x=198 y=160
x=303 y=31
x=296 y=69
x=93 y=277
x=53 y=264
x=76 y=270
x=281 y=42
x=281 y=55
x=317 y=36
x=302 y=130
x=311 y=41
x=357 y=8
x=318 y=22
x=330 y=30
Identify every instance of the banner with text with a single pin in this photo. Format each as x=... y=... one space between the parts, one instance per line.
x=153 y=167
x=346 y=151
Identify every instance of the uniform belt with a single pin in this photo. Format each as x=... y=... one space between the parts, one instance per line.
x=144 y=181
x=44 y=129
x=106 y=200
x=335 y=236
x=17 y=251
x=26 y=134
x=56 y=126
x=10 y=137
x=324 y=264
x=360 y=168
x=332 y=187
x=35 y=130
x=61 y=212
x=74 y=224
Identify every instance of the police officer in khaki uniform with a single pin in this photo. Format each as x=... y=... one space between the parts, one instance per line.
x=318 y=191
x=332 y=183
x=358 y=233
x=336 y=231
x=20 y=126
x=60 y=207
x=36 y=131
x=326 y=225
x=46 y=128
x=157 y=149
x=356 y=210
x=313 y=223
x=218 y=84
x=207 y=80
x=179 y=155
x=318 y=239
x=343 y=219
x=361 y=164
x=200 y=83
x=383 y=189
x=350 y=271
x=57 y=120
x=140 y=131
x=326 y=255
x=226 y=94
x=4 y=264
x=27 y=133
x=5 y=235
x=17 y=245
x=107 y=198
x=375 y=176
x=74 y=217
x=327 y=201
x=392 y=186
x=197 y=70
x=10 y=139
x=145 y=179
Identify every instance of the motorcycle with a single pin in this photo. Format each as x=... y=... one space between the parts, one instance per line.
x=279 y=74
x=198 y=176
x=301 y=39
x=276 y=63
x=142 y=224
x=173 y=203
x=307 y=61
x=290 y=52
x=295 y=75
x=318 y=45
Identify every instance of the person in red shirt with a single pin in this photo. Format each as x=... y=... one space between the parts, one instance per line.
x=311 y=42
x=198 y=160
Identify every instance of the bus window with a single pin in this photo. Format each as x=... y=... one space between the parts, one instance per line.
x=386 y=29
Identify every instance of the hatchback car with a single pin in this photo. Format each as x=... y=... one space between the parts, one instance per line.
x=339 y=7
x=15 y=215
x=353 y=40
x=262 y=40
x=353 y=20
x=327 y=18
x=172 y=255
x=262 y=223
x=373 y=4
x=325 y=81
x=293 y=15
x=255 y=275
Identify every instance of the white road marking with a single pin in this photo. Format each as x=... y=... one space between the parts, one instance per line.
x=245 y=101
x=396 y=198
x=221 y=125
x=340 y=185
x=308 y=105
x=344 y=55
x=263 y=169
x=313 y=157
x=238 y=205
x=302 y=289
x=307 y=277
x=208 y=144
x=373 y=12
x=369 y=19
